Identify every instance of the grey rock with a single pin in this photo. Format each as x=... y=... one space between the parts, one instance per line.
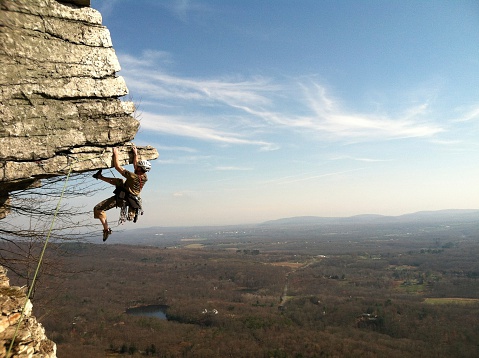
x=60 y=95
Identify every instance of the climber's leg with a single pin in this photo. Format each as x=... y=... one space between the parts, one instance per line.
x=112 y=181
x=99 y=212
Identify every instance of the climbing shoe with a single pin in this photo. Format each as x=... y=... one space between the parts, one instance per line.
x=97 y=175
x=106 y=233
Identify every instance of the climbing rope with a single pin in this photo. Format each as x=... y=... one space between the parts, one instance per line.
x=44 y=249
x=39 y=261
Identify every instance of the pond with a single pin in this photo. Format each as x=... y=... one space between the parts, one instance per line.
x=157 y=311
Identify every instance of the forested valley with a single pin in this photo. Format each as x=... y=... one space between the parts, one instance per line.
x=301 y=292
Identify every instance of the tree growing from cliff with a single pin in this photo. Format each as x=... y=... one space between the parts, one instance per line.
x=40 y=213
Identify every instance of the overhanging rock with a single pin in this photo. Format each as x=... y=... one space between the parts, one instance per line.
x=76 y=160
x=60 y=106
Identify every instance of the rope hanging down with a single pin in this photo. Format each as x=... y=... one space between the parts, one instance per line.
x=40 y=261
x=43 y=252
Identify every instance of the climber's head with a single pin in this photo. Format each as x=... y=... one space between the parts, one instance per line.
x=144 y=165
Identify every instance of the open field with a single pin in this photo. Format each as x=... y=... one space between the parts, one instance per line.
x=452 y=300
x=277 y=294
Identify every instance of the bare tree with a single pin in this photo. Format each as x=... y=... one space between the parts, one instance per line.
x=40 y=214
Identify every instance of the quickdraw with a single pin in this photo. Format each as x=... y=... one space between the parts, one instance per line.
x=130 y=205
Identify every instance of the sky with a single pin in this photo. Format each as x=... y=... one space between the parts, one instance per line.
x=269 y=109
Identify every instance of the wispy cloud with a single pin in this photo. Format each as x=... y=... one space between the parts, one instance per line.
x=183 y=9
x=367 y=160
x=471 y=114
x=228 y=110
x=185 y=159
x=175 y=149
x=228 y=91
x=329 y=117
x=175 y=126
x=308 y=176
x=446 y=142
x=106 y=7
x=182 y=193
x=232 y=168
x=148 y=58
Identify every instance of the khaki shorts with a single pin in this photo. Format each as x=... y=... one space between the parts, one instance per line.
x=99 y=211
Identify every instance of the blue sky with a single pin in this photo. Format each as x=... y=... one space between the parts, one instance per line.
x=269 y=109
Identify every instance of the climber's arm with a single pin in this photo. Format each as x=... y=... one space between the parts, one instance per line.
x=135 y=156
x=116 y=163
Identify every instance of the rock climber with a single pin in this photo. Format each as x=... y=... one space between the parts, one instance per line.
x=131 y=187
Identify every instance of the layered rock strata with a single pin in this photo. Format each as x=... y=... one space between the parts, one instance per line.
x=60 y=112
x=30 y=339
x=60 y=106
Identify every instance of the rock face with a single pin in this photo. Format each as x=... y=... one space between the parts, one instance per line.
x=30 y=338
x=60 y=112
x=59 y=93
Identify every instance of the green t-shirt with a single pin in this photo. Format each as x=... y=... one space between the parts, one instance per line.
x=134 y=183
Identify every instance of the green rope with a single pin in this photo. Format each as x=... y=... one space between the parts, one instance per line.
x=44 y=249
x=40 y=261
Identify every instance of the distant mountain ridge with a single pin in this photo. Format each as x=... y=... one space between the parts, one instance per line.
x=425 y=216
x=154 y=234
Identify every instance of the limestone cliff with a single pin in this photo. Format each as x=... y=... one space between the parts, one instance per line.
x=60 y=104
x=60 y=111
x=30 y=338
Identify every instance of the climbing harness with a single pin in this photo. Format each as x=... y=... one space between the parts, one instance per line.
x=127 y=212
x=130 y=205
